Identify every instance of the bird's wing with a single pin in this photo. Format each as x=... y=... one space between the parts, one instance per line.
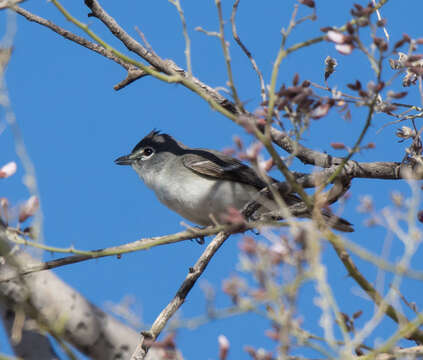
x=220 y=166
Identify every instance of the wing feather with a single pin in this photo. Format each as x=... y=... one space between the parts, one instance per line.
x=220 y=166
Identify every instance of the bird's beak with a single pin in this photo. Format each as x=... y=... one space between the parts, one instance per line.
x=124 y=160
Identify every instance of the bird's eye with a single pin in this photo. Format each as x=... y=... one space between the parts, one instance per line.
x=147 y=152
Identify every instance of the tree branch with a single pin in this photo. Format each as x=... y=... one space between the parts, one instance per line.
x=63 y=312
x=306 y=155
x=70 y=36
x=148 y=337
x=360 y=279
x=142 y=244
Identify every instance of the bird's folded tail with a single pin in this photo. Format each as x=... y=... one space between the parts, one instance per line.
x=337 y=222
x=330 y=219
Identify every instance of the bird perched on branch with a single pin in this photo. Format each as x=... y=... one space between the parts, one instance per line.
x=202 y=185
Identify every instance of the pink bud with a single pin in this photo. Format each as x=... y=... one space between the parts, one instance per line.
x=336 y=37
x=272 y=334
x=223 y=346
x=337 y=145
x=248 y=245
x=278 y=252
x=228 y=151
x=238 y=142
x=266 y=165
x=320 y=111
x=261 y=112
x=4 y=203
x=261 y=121
x=4 y=207
x=29 y=208
x=253 y=150
x=344 y=49
x=8 y=170
x=309 y=3
x=233 y=216
x=259 y=294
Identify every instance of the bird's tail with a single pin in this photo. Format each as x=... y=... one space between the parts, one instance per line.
x=299 y=209
x=337 y=222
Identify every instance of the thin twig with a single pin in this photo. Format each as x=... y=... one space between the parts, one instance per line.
x=357 y=144
x=216 y=101
x=132 y=75
x=327 y=301
x=177 y=4
x=171 y=78
x=405 y=331
x=361 y=280
x=342 y=28
x=30 y=178
x=70 y=36
x=379 y=17
x=225 y=48
x=125 y=38
x=412 y=353
x=85 y=43
x=246 y=51
x=142 y=244
x=144 y=39
x=282 y=53
x=148 y=337
x=7 y=4
x=376 y=260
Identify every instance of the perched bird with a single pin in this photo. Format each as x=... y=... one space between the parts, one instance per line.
x=202 y=185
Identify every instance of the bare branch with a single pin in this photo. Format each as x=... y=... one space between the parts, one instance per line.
x=177 y=4
x=70 y=36
x=319 y=39
x=195 y=272
x=127 y=40
x=306 y=155
x=245 y=50
x=360 y=138
x=5 y=4
x=225 y=48
x=133 y=72
x=32 y=344
x=133 y=75
x=62 y=311
x=403 y=332
x=379 y=17
x=166 y=66
x=361 y=280
x=414 y=352
x=142 y=244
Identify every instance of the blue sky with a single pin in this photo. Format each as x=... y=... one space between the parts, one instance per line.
x=74 y=125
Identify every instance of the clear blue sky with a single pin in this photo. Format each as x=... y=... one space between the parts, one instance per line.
x=74 y=125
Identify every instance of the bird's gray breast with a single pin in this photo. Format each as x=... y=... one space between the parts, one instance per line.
x=195 y=197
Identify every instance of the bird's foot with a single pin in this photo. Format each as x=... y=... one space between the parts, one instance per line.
x=200 y=240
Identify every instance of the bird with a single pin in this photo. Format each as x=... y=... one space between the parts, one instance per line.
x=202 y=185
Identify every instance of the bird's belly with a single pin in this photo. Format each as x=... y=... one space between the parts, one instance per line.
x=200 y=200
